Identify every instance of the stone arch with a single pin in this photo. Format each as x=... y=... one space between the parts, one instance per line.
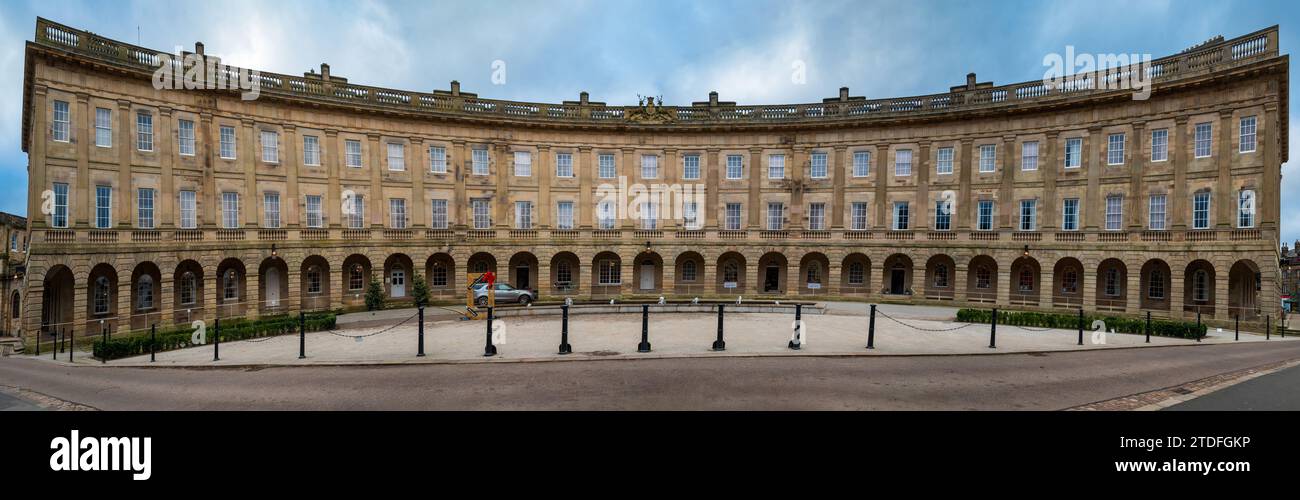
x=1243 y=290
x=606 y=274
x=897 y=275
x=566 y=273
x=314 y=284
x=940 y=276
x=356 y=276
x=1199 y=287
x=101 y=297
x=481 y=262
x=398 y=269
x=688 y=273
x=731 y=265
x=57 y=298
x=651 y=261
x=187 y=292
x=1112 y=285
x=814 y=274
x=146 y=295
x=1025 y=281
x=232 y=295
x=855 y=274
x=1067 y=283
x=1157 y=285
x=273 y=285
x=772 y=270
x=982 y=280
x=440 y=274
x=522 y=271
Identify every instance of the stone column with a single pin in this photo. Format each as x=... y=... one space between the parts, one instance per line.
x=1008 y=212
x=1088 y=285
x=375 y=212
x=419 y=167
x=1133 y=302
x=250 y=161
x=1136 y=162
x=81 y=210
x=959 y=283
x=882 y=195
x=545 y=218
x=1049 y=167
x=965 y=202
x=586 y=209
x=1094 y=204
x=1045 y=285
x=36 y=169
x=756 y=177
x=711 y=180
x=839 y=169
x=1224 y=195
x=668 y=213
x=461 y=165
x=1269 y=205
x=289 y=216
x=1179 y=198
x=333 y=198
x=211 y=290
x=796 y=166
x=924 y=204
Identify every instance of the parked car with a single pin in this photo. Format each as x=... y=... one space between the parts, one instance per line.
x=505 y=294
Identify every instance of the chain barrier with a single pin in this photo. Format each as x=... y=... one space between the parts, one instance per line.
x=901 y=322
x=372 y=334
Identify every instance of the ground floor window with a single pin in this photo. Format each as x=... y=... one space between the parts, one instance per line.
x=983 y=277
x=563 y=273
x=1156 y=286
x=857 y=275
x=730 y=273
x=439 y=276
x=941 y=276
x=688 y=270
x=1070 y=282
x=609 y=272
x=355 y=278
x=1026 y=280
x=313 y=280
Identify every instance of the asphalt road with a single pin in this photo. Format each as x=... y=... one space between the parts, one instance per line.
x=1279 y=390
x=1012 y=381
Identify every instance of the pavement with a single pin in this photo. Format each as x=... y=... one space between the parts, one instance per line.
x=841 y=331
x=1276 y=391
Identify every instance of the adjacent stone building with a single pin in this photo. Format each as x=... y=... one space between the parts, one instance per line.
x=13 y=235
x=166 y=206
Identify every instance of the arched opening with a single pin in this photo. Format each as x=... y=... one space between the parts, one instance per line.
x=814 y=274
x=57 y=299
x=1198 y=288
x=1244 y=283
x=1156 y=285
x=273 y=285
x=187 y=292
x=231 y=292
x=688 y=273
x=482 y=262
x=606 y=274
x=146 y=295
x=440 y=273
x=982 y=280
x=102 y=303
x=1112 y=285
x=314 y=284
x=939 y=276
x=731 y=277
x=356 y=276
x=1025 y=273
x=647 y=272
x=1067 y=283
x=855 y=275
x=397 y=277
x=523 y=271
x=772 y=273
x=898 y=275
x=566 y=273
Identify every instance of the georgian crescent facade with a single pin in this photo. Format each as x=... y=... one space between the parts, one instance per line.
x=165 y=206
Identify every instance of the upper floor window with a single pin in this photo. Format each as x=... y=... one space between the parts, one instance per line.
x=902 y=215
x=1115 y=149
x=988 y=157
x=903 y=162
x=310 y=150
x=523 y=215
x=1074 y=152
x=352 y=153
x=691 y=215
x=144 y=208
x=480 y=161
x=104 y=207
x=438 y=159
x=439 y=213
x=1247 y=142
x=564 y=165
x=355 y=210
x=817 y=216
x=691 y=167
x=649 y=215
x=60 y=216
x=62 y=121
x=1070 y=214
x=271 y=210
x=185 y=134
x=606 y=166
x=270 y=146
x=188 y=210
x=735 y=167
x=523 y=164
x=397 y=213
x=775 y=216
x=1246 y=208
x=396 y=156
x=1114 y=212
x=732 y=217
x=1159 y=144
x=984 y=215
x=1201 y=210
x=1029 y=156
x=564 y=215
x=227 y=142
x=479 y=210
x=605 y=215
x=776 y=166
x=1156 y=212
x=1204 y=138
x=861 y=163
x=944 y=164
x=230 y=210
x=649 y=167
x=859 y=216
x=144 y=131
x=1028 y=215
x=103 y=127
x=819 y=166
x=942 y=216
x=314 y=216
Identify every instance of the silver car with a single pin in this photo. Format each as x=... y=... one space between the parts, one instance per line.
x=505 y=294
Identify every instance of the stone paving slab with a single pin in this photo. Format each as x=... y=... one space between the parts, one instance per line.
x=671 y=335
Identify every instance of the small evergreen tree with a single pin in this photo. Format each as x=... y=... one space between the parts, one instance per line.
x=419 y=290
x=374 y=295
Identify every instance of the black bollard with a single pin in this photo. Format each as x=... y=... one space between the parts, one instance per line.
x=720 y=345
x=420 y=353
x=153 y=345
x=103 y=346
x=63 y=341
x=489 y=349
x=1148 y=329
x=871 y=329
x=644 y=346
x=1199 y=334
x=565 y=348
x=38 y=342
x=216 y=340
x=797 y=342
x=54 y=347
x=993 y=332
x=1268 y=327
x=302 y=336
x=72 y=345
x=1236 y=327
x=1080 y=326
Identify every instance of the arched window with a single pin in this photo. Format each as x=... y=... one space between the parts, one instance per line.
x=439 y=274
x=688 y=270
x=144 y=293
x=313 y=280
x=187 y=288
x=983 y=277
x=15 y=305
x=563 y=273
x=355 y=278
x=1026 y=280
x=1156 y=284
x=1201 y=286
x=941 y=276
x=1112 y=282
x=730 y=272
x=1070 y=281
x=101 y=295
x=815 y=273
x=857 y=275
x=480 y=266
x=231 y=286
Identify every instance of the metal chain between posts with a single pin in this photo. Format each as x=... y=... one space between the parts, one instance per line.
x=372 y=334
x=896 y=320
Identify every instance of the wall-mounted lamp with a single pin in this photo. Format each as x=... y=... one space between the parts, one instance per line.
x=273 y=252
x=1026 y=250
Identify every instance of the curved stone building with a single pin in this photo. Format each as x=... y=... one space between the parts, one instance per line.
x=162 y=206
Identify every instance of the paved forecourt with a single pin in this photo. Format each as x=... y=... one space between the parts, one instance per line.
x=606 y=336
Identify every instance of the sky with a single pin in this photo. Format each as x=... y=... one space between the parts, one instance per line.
x=745 y=50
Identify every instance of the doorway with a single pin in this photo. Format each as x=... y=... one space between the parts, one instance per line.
x=398 y=283
x=772 y=279
x=521 y=275
x=896 y=277
x=272 y=287
x=647 y=276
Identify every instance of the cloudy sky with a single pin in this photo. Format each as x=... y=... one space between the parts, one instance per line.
x=617 y=49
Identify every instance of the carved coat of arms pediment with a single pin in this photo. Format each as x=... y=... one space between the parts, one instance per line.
x=648 y=112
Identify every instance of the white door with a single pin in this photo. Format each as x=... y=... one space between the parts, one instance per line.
x=398 y=283
x=647 y=276
x=272 y=287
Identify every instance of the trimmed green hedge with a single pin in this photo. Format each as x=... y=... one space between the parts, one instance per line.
x=231 y=330
x=1159 y=327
